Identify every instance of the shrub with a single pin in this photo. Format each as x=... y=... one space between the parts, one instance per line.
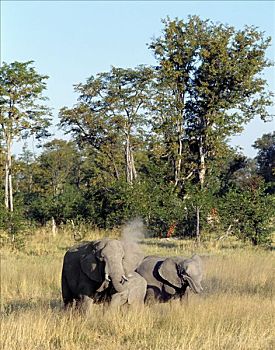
x=249 y=212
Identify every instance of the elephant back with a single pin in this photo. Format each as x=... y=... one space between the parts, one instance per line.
x=149 y=269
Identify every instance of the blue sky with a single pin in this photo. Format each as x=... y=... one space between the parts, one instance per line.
x=71 y=40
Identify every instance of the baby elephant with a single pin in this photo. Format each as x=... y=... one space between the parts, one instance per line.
x=171 y=278
x=133 y=295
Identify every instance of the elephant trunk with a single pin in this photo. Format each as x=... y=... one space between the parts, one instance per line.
x=195 y=286
x=116 y=273
x=118 y=283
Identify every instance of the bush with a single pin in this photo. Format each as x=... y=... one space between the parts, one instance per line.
x=62 y=207
x=249 y=212
x=13 y=227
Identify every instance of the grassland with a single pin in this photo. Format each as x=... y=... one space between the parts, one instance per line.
x=236 y=310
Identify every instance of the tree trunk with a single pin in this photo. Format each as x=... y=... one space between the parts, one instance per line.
x=8 y=178
x=198 y=235
x=131 y=173
x=178 y=163
x=127 y=161
x=116 y=171
x=10 y=185
x=179 y=154
x=202 y=166
x=133 y=165
x=6 y=181
x=112 y=160
x=53 y=227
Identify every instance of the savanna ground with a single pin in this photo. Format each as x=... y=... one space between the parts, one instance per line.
x=236 y=310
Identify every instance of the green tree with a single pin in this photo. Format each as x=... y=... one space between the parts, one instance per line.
x=208 y=85
x=110 y=116
x=57 y=176
x=66 y=205
x=248 y=212
x=266 y=158
x=21 y=112
x=59 y=164
x=25 y=168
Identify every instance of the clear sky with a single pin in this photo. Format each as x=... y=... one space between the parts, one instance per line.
x=71 y=40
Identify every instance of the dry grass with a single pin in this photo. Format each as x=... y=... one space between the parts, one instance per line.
x=236 y=310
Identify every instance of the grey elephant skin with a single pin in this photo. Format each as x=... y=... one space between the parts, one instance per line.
x=103 y=270
x=171 y=278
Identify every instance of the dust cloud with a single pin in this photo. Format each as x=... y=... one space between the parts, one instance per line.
x=133 y=231
x=132 y=234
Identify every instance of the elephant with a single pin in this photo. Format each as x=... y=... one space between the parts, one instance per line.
x=171 y=278
x=103 y=270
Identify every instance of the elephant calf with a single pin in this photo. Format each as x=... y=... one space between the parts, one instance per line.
x=103 y=270
x=170 y=278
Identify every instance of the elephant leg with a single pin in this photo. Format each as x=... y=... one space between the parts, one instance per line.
x=78 y=302
x=68 y=303
x=185 y=296
x=151 y=295
x=119 y=299
x=137 y=291
x=67 y=295
x=86 y=304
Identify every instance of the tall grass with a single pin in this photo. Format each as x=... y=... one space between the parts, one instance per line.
x=236 y=310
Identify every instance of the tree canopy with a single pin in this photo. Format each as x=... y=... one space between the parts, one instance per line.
x=21 y=113
x=209 y=85
x=150 y=141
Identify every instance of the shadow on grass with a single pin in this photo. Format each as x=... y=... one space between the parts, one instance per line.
x=27 y=305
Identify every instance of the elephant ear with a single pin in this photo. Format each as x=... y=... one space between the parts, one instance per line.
x=168 y=271
x=97 y=246
x=91 y=267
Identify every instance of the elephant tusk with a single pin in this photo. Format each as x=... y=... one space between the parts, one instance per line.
x=124 y=278
x=107 y=278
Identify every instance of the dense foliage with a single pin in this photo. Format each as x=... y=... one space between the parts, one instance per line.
x=151 y=142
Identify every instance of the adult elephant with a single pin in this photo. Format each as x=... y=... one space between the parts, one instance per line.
x=170 y=278
x=103 y=269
